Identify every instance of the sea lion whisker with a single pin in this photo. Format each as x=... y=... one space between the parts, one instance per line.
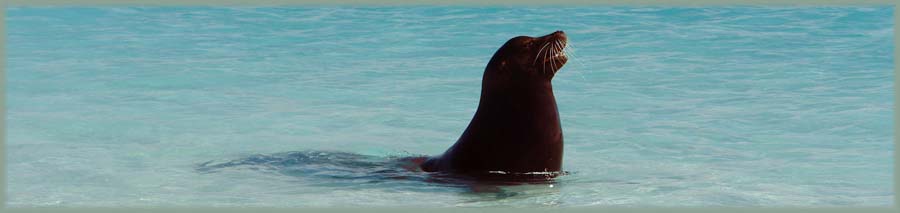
x=560 y=52
x=544 y=60
x=538 y=54
x=558 y=48
x=555 y=54
x=552 y=61
x=547 y=57
x=555 y=48
x=546 y=54
x=562 y=47
x=543 y=64
x=571 y=52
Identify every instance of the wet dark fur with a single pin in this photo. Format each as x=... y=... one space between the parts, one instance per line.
x=516 y=128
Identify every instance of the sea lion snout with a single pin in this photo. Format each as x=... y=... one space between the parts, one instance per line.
x=558 y=35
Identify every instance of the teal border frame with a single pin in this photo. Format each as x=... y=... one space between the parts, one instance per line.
x=18 y=3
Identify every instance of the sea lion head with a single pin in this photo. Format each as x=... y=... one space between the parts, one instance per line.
x=530 y=57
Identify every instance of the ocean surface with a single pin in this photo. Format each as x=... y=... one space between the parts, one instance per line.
x=303 y=106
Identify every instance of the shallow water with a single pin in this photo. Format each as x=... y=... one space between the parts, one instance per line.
x=711 y=106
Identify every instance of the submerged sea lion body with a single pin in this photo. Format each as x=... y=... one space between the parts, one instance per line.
x=516 y=129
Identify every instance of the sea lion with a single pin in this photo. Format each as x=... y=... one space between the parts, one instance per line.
x=516 y=129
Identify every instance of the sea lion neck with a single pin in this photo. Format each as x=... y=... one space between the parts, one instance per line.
x=524 y=88
x=499 y=82
x=515 y=106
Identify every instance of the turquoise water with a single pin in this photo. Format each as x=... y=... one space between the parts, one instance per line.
x=709 y=106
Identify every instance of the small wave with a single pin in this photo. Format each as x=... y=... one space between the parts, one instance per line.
x=358 y=168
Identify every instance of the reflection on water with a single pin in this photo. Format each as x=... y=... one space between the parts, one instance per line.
x=396 y=173
x=352 y=167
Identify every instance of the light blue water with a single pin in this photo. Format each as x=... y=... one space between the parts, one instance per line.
x=718 y=106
